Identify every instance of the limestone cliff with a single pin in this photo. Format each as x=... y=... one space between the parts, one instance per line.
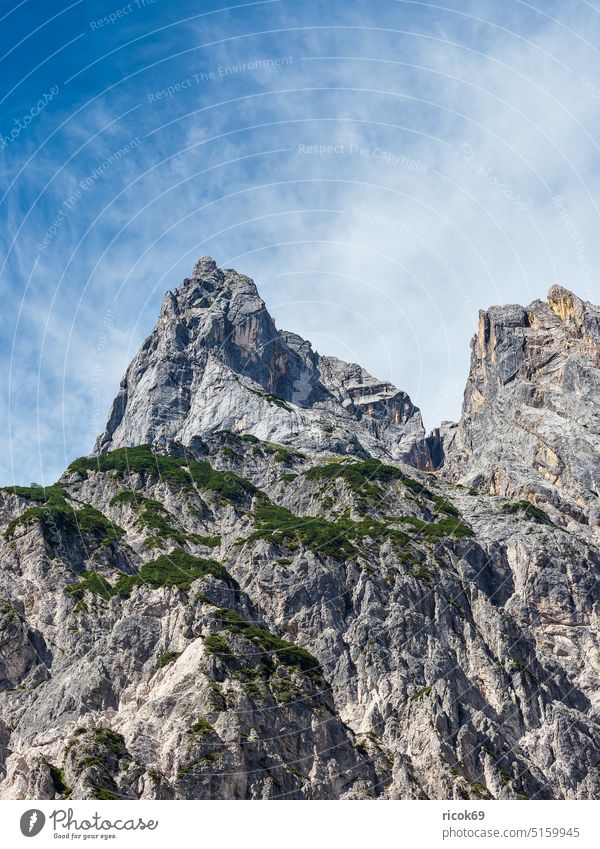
x=216 y=360
x=247 y=593
x=530 y=424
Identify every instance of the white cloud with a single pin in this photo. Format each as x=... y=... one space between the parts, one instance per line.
x=381 y=250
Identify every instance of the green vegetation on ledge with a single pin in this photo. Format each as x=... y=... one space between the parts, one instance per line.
x=272 y=648
x=345 y=537
x=182 y=472
x=201 y=727
x=280 y=453
x=154 y=517
x=58 y=780
x=167 y=658
x=36 y=492
x=536 y=514
x=449 y=527
x=364 y=477
x=91 y=582
x=176 y=569
x=58 y=516
x=279 y=525
x=272 y=399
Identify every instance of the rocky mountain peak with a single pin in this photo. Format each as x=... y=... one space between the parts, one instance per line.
x=210 y=285
x=204 y=266
x=250 y=620
x=530 y=421
x=564 y=303
x=216 y=361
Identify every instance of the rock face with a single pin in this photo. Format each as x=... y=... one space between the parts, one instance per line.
x=201 y=613
x=216 y=360
x=530 y=424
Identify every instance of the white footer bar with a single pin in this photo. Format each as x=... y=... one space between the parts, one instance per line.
x=287 y=825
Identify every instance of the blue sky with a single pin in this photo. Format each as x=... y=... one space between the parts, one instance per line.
x=383 y=170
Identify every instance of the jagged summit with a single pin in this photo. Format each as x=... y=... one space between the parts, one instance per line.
x=241 y=620
x=565 y=303
x=204 y=266
x=530 y=423
x=216 y=361
x=209 y=285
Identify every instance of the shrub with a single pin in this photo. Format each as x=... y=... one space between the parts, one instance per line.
x=418 y=694
x=522 y=667
x=178 y=569
x=53 y=517
x=272 y=399
x=36 y=492
x=92 y=521
x=151 y=516
x=154 y=517
x=201 y=727
x=56 y=514
x=181 y=472
x=209 y=542
x=449 y=527
x=364 y=477
x=340 y=538
x=101 y=794
x=113 y=740
x=58 y=779
x=444 y=506
x=279 y=525
x=288 y=654
x=536 y=514
x=421 y=573
x=93 y=583
x=218 y=645
x=167 y=658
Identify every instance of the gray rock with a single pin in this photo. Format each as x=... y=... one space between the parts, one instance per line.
x=530 y=424
x=221 y=615
x=216 y=361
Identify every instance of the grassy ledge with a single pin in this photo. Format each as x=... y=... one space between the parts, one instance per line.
x=176 y=569
x=182 y=472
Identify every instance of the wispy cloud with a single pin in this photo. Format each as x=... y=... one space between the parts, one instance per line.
x=405 y=166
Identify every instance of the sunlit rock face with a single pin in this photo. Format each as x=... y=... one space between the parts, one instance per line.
x=530 y=424
x=215 y=360
x=258 y=588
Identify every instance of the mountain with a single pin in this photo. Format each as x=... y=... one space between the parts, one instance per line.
x=530 y=424
x=258 y=586
x=215 y=360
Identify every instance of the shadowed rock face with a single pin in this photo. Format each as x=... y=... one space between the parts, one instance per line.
x=530 y=424
x=216 y=360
